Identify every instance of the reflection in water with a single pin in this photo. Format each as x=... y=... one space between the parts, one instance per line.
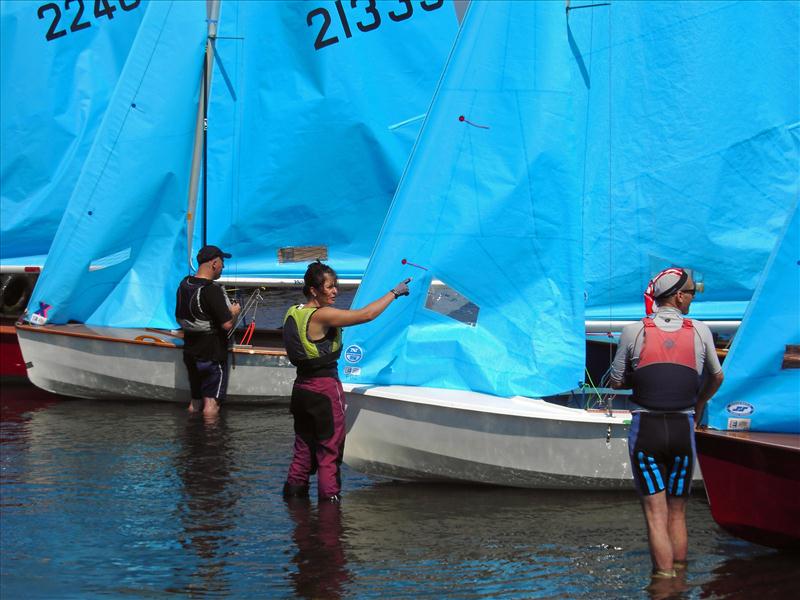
x=19 y=399
x=771 y=575
x=108 y=499
x=204 y=464
x=320 y=558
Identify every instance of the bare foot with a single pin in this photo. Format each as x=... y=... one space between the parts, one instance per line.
x=211 y=407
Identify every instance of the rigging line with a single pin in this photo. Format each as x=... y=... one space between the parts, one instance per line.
x=251 y=303
x=593 y=387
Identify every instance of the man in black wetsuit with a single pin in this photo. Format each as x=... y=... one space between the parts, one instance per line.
x=206 y=316
x=663 y=357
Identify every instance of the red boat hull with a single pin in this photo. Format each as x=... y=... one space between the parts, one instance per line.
x=753 y=484
x=11 y=361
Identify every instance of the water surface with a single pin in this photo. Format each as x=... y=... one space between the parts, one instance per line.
x=127 y=499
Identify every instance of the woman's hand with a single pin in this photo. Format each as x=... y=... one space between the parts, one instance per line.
x=401 y=289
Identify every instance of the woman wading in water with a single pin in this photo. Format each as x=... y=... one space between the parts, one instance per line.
x=312 y=334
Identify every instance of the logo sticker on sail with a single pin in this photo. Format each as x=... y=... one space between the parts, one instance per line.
x=40 y=316
x=352 y=371
x=740 y=409
x=353 y=354
x=739 y=424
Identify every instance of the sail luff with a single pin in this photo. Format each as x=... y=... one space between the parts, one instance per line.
x=118 y=252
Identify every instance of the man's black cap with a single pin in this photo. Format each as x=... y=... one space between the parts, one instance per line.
x=208 y=253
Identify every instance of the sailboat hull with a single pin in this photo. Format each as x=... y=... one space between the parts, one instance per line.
x=753 y=484
x=11 y=363
x=109 y=363
x=445 y=435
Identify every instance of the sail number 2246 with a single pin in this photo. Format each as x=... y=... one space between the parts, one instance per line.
x=77 y=15
x=365 y=15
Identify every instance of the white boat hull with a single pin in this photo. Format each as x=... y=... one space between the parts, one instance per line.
x=445 y=435
x=98 y=367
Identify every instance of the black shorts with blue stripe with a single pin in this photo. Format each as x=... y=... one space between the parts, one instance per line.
x=207 y=378
x=661 y=447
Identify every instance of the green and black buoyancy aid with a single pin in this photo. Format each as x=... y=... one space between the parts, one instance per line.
x=312 y=358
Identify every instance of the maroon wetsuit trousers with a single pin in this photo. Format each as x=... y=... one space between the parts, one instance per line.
x=319 y=426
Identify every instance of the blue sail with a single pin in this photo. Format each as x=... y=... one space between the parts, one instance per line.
x=690 y=142
x=58 y=69
x=487 y=221
x=313 y=112
x=120 y=249
x=759 y=393
x=305 y=146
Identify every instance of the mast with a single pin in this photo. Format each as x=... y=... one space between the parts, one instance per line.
x=201 y=126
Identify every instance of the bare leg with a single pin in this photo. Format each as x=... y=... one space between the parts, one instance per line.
x=195 y=405
x=656 y=513
x=211 y=406
x=677 y=529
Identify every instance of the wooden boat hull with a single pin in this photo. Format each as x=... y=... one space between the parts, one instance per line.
x=430 y=434
x=106 y=363
x=753 y=484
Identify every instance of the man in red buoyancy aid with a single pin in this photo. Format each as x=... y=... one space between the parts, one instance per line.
x=672 y=366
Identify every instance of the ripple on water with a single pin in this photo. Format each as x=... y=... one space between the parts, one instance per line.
x=141 y=499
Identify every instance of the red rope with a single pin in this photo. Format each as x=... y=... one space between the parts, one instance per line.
x=248 y=333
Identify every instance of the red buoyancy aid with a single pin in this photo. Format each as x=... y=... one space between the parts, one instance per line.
x=666 y=376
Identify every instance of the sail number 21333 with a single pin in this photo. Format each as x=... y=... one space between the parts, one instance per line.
x=77 y=14
x=364 y=15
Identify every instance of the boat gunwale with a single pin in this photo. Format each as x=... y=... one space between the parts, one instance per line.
x=51 y=330
x=779 y=441
x=556 y=412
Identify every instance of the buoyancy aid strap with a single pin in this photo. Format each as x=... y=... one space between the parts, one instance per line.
x=325 y=359
x=189 y=317
x=675 y=347
x=301 y=315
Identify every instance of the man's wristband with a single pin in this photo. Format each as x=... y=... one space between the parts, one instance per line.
x=396 y=295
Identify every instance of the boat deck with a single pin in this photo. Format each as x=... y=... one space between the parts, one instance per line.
x=486 y=403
